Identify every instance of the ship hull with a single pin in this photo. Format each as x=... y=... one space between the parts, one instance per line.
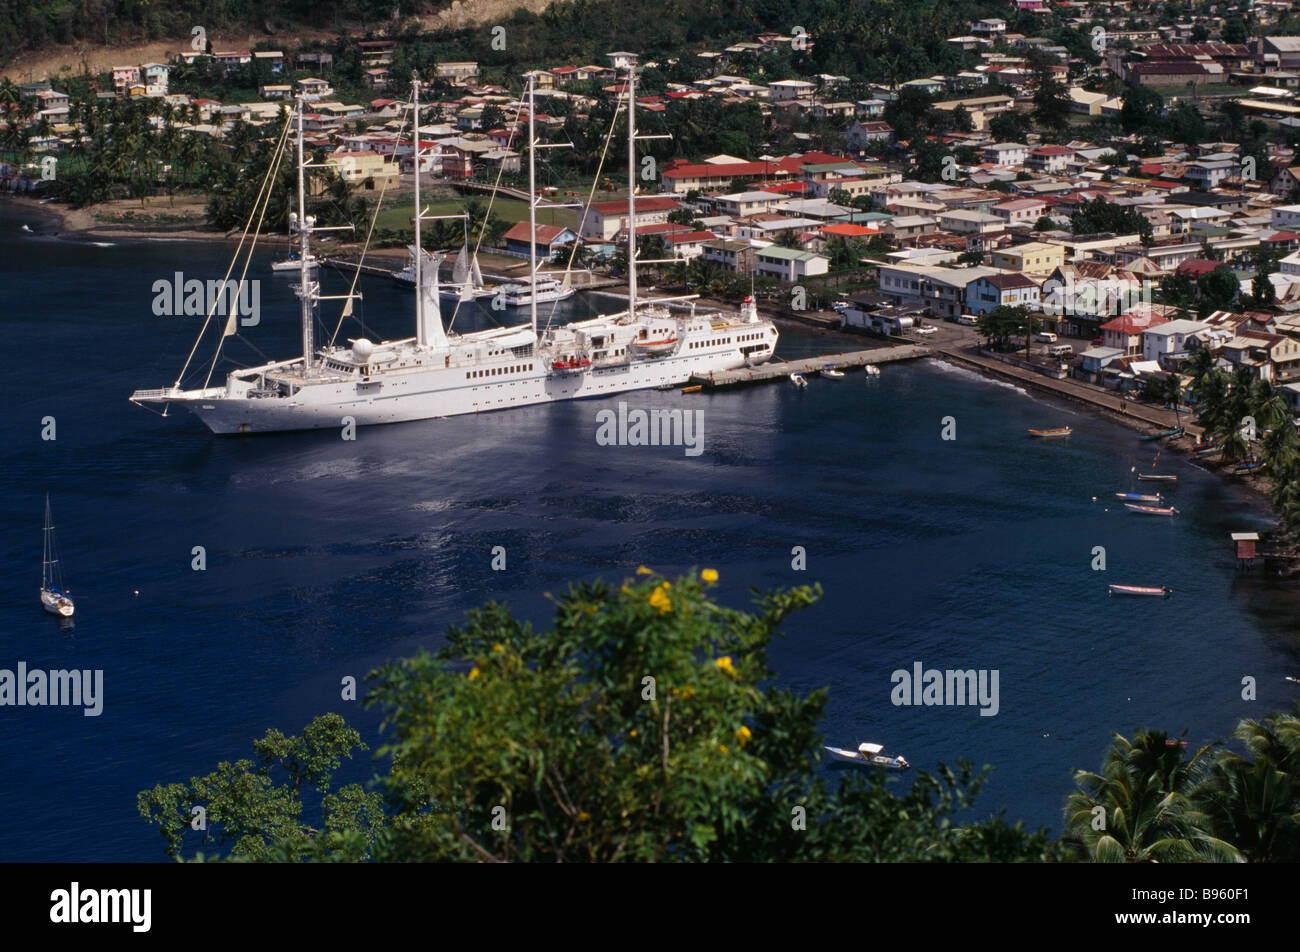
x=443 y=392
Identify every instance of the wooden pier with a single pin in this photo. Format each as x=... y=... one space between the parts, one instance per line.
x=781 y=369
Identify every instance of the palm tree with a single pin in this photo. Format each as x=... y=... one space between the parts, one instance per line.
x=1144 y=790
x=1256 y=805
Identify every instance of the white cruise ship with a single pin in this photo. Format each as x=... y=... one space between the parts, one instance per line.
x=438 y=374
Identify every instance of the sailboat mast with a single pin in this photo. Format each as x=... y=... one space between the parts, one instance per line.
x=631 y=190
x=532 y=210
x=45 y=549
x=303 y=242
x=419 y=253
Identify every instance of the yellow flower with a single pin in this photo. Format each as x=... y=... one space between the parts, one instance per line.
x=685 y=692
x=625 y=590
x=584 y=816
x=473 y=674
x=632 y=732
x=709 y=575
x=659 y=599
x=722 y=747
x=724 y=664
x=642 y=570
x=743 y=734
x=498 y=648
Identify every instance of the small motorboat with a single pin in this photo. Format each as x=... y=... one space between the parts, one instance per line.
x=1058 y=431
x=294 y=263
x=798 y=381
x=1248 y=467
x=868 y=755
x=1157 y=478
x=1161 y=592
x=1172 y=431
x=694 y=388
x=1150 y=510
x=1137 y=497
x=871 y=370
x=1213 y=449
x=1293 y=680
x=832 y=373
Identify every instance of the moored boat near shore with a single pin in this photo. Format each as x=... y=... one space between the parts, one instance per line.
x=1175 y=431
x=1058 y=431
x=1157 y=478
x=1160 y=592
x=1138 y=497
x=1150 y=510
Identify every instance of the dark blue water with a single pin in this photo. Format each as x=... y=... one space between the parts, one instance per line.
x=325 y=557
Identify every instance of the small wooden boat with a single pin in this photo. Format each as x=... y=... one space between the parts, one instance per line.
x=1173 y=431
x=1247 y=467
x=1212 y=450
x=832 y=373
x=695 y=388
x=1157 y=478
x=1138 y=497
x=1161 y=592
x=868 y=755
x=1058 y=431
x=1150 y=510
x=798 y=381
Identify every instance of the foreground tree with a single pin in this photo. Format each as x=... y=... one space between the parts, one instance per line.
x=644 y=725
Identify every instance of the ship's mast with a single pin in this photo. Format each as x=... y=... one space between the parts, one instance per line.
x=631 y=190
x=532 y=207
x=304 y=271
x=419 y=253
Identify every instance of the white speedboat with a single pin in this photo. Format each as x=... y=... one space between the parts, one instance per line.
x=294 y=263
x=522 y=295
x=798 y=381
x=54 y=597
x=872 y=370
x=832 y=373
x=869 y=755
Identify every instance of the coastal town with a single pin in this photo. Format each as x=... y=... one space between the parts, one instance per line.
x=1068 y=230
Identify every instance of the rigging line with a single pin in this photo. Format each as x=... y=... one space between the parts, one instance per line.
x=586 y=208
x=379 y=203
x=203 y=330
x=302 y=212
x=265 y=204
x=487 y=215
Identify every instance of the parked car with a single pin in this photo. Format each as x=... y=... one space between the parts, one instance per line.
x=1047 y=337
x=927 y=329
x=968 y=319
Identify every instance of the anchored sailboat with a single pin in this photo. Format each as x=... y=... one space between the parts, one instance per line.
x=54 y=597
x=438 y=373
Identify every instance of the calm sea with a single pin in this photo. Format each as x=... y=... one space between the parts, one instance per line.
x=325 y=557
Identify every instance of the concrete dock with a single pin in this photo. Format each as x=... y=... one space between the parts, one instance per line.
x=776 y=369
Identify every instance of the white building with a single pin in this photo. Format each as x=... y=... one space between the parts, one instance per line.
x=1169 y=338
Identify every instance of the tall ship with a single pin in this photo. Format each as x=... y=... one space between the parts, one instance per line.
x=436 y=373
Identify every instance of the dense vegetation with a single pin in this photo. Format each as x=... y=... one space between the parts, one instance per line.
x=645 y=726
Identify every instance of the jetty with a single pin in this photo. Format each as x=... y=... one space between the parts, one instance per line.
x=780 y=369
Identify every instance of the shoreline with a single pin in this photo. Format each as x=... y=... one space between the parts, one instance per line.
x=79 y=224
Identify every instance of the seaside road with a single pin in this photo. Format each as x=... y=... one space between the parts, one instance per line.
x=1138 y=413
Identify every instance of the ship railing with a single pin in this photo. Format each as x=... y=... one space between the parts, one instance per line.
x=147 y=396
